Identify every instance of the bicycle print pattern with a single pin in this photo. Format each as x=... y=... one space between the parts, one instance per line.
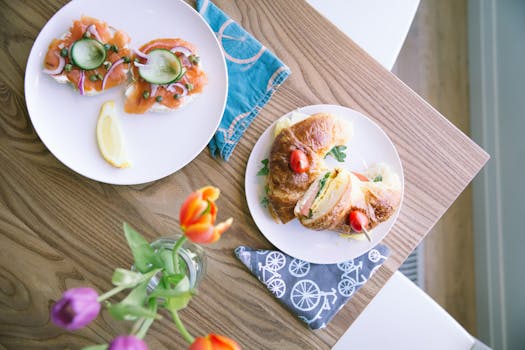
x=313 y=292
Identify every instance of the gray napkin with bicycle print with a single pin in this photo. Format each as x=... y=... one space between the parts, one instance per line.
x=313 y=292
x=254 y=74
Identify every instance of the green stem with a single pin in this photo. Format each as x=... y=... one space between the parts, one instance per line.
x=137 y=325
x=111 y=293
x=175 y=253
x=178 y=323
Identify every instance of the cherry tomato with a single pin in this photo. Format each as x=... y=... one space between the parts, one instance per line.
x=358 y=220
x=299 y=162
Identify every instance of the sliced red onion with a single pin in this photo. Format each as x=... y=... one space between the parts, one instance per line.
x=140 y=54
x=172 y=88
x=154 y=88
x=108 y=73
x=93 y=30
x=138 y=64
x=81 y=82
x=183 y=50
x=185 y=54
x=59 y=69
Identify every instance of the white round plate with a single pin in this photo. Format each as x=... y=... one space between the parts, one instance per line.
x=368 y=145
x=158 y=144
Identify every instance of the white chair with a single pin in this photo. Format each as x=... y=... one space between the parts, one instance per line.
x=404 y=317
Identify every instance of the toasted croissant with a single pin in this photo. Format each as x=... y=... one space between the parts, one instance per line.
x=315 y=136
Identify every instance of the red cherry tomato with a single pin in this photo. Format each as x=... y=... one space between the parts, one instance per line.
x=299 y=162
x=358 y=220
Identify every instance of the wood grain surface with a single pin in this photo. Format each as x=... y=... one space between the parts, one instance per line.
x=434 y=62
x=59 y=229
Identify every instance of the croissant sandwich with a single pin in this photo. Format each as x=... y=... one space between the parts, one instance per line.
x=297 y=160
x=331 y=198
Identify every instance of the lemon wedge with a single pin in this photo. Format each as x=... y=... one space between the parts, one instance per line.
x=109 y=137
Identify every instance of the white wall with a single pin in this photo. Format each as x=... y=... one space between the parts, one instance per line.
x=497 y=87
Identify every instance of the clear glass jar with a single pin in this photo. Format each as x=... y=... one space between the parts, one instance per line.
x=193 y=260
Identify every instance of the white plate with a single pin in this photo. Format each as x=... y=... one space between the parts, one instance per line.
x=369 y=145
x=158 y=144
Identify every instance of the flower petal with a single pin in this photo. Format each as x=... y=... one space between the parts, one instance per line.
x=200 y=233
x=220 y=342
x=210 y=193
x=201 y=344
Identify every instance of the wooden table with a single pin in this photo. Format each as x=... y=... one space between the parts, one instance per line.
x=59 y=229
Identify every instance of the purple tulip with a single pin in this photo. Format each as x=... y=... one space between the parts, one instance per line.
x=127 y=342
x=76 y=308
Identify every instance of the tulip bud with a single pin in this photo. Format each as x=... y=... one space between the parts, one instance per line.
x=76 y=309
x=127 y=342
x=214 y=342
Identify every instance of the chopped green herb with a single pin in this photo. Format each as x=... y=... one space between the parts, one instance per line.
x=145 y=94
x=68 y=67
x=158 y=98
x=107 y=65
x=99 y=76
x=63 y=52
x=126 y=59
x=114 y=48
x=189 y=86
x=338 y=152
x=310 y=214
x=265 y=170
x=267 y=189
x=194 y=59
x=93 y=77
x=322 y=183
x=265 y=202
x=378 y=178
x=107 y=47
x=176 y=96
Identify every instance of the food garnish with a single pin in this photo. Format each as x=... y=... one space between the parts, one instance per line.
x=338 y=152
x=264 y=170
x=109 y=137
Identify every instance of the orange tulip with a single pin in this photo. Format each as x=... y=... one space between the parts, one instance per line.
x=198 y=214
x=214 y=342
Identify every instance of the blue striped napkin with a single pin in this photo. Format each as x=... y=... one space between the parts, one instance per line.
x=254 y=73
x=313 y=292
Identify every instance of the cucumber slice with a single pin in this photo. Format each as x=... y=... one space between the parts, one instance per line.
x=163 y=67
x=87 y=53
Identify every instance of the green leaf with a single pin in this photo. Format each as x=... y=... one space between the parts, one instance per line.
x=166 y=257
x=179 y=301
x=143 y=253
x=130 y=279
x=123 y=277
x=129 y=312
x=137 y=296
x=378 y=178
x=322 y=183
x=264 y=170
x=96 y=347
x=338 y=152
x=170 y=293
x=265 y=202
x=175 y=279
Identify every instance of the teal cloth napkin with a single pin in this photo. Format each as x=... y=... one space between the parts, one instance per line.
x=254 y=74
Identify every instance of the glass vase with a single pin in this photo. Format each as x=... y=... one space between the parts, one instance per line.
x=192 y=260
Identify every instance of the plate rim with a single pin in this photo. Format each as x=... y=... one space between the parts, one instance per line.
x=370 y=245
x=33 y=56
